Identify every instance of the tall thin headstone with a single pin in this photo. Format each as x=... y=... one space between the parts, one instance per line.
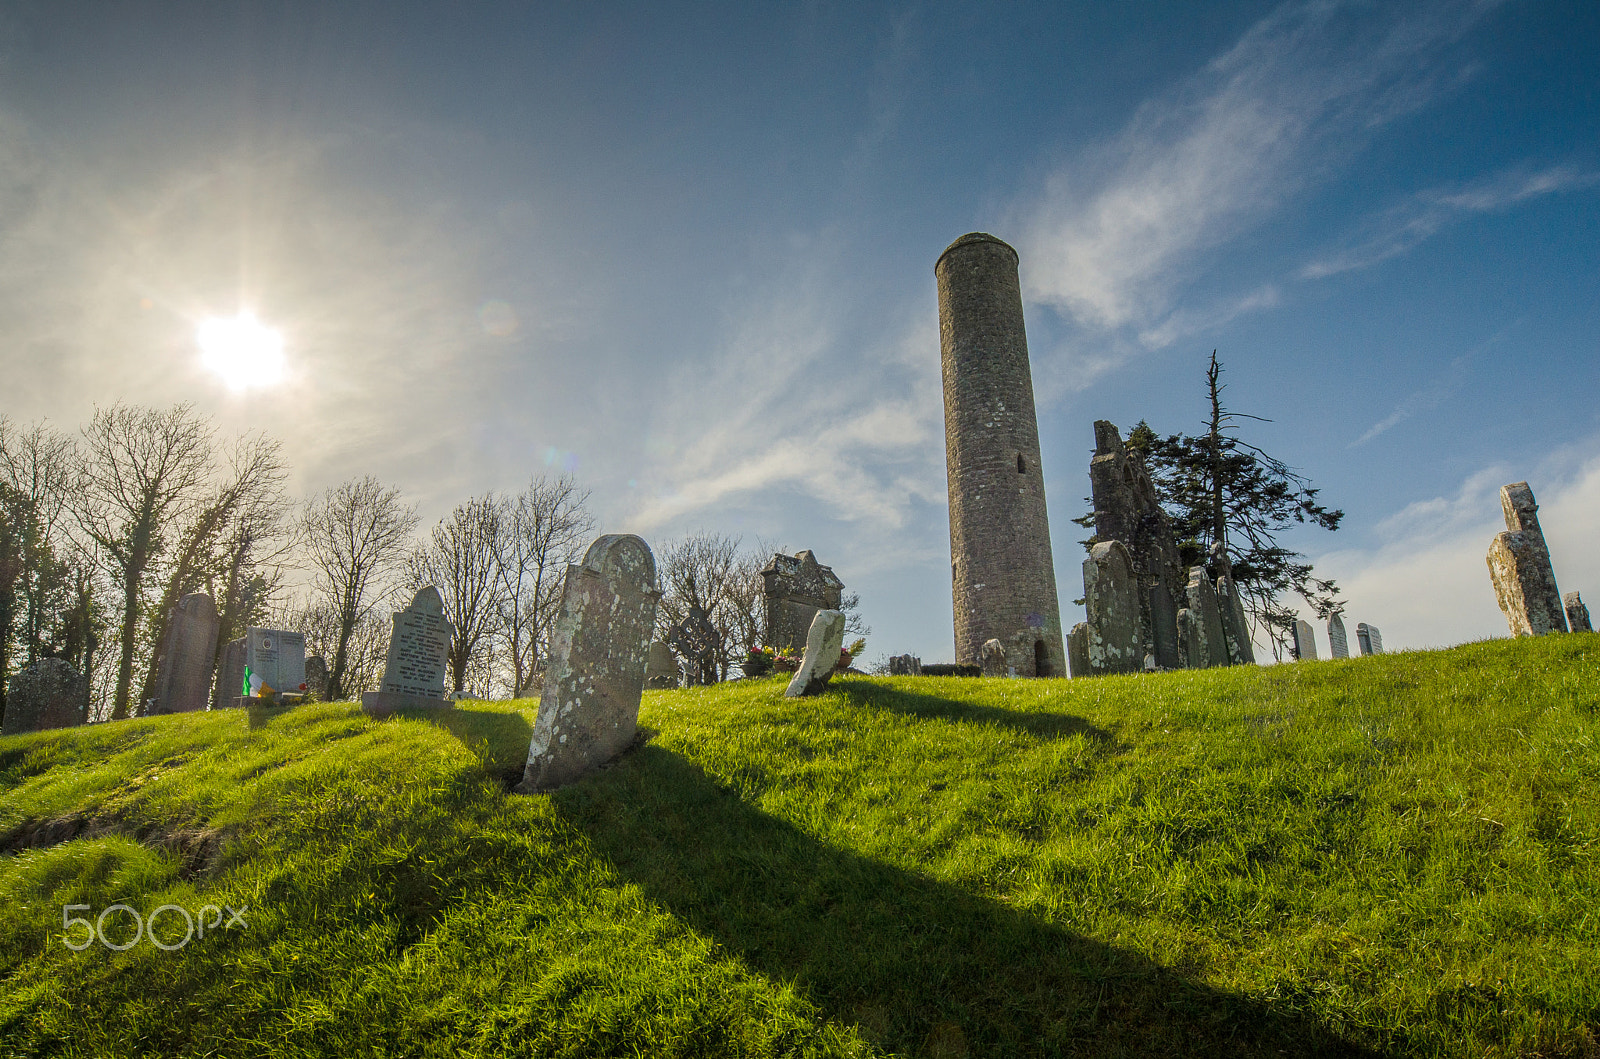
x=1235 y=626
x=230 y=676
x=188 y=656
x=1577 y=613
x=419 y=649
x=599 y=647
x=1111 y=600
x=1338 y=642
x=1305 y=641
x=1519 y=565
x=1210 y=647
x=796 y=587
x=316 y=677
x=1368 y=639
x=1078 y=650
x=1003 y=574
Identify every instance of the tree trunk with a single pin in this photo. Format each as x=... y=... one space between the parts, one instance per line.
x=130 y=630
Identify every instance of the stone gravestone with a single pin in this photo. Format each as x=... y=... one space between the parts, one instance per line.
x=1519 y=566
x=696 y=641
x=1111 y=600
x=992 y=658
x=1078 y=650
x=661 y=667
x=274 y=662
x=905 y=666
x=823 y=643
x=48 y=694
x=230 y=675
x=796 y=587
x=188 y=656
x=1209 y=647
x=599 y=647
x=316 y=677
x=1191 y=652
x=419 y=650
x=1235 y=626
x=1338 y=642
x=1577 y=613
x=1369 y=639
x=1127 y=509
x=1305 y=640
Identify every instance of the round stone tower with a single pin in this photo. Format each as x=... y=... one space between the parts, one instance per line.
x=1005 y=580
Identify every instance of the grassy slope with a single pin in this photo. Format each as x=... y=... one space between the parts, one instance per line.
x=1385 y=855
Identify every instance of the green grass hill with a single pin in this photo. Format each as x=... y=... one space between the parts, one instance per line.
x=1380 y=856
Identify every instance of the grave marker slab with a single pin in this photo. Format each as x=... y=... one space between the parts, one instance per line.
x=1078 y=650
x=796 y=587
x=992 y=658
x=419 y=650
x=48 y=694
x=1305 y=640
x=1210 y=649
x=823 y=644
x=599 y=648
x=188 y=656
x=1111 y=601
x=230 y=676
x=1368 y=639
x=274 y=661
x=1519 y=566
x=1235 y=625
x=1165 y=649
x=905 y=666
x=1338 y=642
x=661 y=668
x=316 y=676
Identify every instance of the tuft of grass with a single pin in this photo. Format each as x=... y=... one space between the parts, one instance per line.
x=1390 y=855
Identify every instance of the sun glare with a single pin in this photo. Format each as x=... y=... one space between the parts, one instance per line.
x=241 y=350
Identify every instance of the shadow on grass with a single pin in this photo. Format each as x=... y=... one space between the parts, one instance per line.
x=499 y=739
x=898 y=700
x=921 y=967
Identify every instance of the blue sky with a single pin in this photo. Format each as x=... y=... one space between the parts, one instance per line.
x=687 y=252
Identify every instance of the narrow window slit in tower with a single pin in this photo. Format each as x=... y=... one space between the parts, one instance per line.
x=1022 y=465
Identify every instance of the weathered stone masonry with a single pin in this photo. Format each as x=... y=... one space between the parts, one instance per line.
x=1002 y=569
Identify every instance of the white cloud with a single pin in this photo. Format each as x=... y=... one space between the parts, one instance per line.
x=1399 y=229
x=1427 y=584
x=1115 y=236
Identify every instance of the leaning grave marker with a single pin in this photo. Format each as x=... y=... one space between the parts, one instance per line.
x=824 y=642
x=419 y=651
x=1577 y=613
x=1519 y=565
x=599 y=647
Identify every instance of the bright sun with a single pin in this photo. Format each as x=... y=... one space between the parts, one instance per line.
x=241 y=350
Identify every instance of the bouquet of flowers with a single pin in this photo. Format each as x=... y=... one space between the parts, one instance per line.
x=758 y=662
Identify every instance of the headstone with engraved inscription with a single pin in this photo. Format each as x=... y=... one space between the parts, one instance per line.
x=419 y=650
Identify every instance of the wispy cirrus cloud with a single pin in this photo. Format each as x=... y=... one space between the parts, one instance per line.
x=1115 y=236
x=1400 y=228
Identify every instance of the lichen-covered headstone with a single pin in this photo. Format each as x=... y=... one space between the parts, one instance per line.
x=48 y=694
x=1305 y=640
x=419 y=651
x=1165 y=651
x=992 y=658
x=905 y=666
x=599 y=647
x=1111 y=603
x=661 y=668
x=1235 y=626
x=1519 y=566
x=796 y=587
x=188 y=656
x=1338 y=642
x=1577 y=613
x=824 y=642
x=1191 y=645
x=1369 y=639
x=1210 y=649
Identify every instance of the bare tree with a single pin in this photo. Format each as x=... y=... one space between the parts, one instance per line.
x=220 y=541
x=459 y=559
x=707 y=571
x=142 y=471
x=354 y=535
x=36 y=471
x=366 y=647
x=546 y=527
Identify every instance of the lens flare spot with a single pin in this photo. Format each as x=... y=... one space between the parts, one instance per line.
x=498 y=319
x=242 y=351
